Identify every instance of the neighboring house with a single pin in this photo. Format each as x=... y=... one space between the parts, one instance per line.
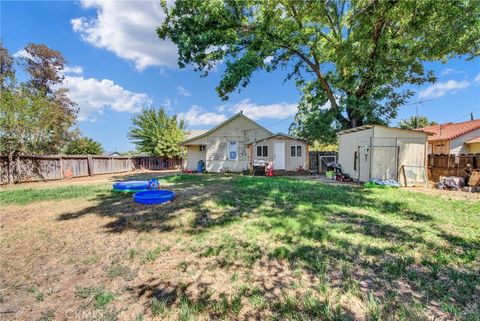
x=454 y=138
x=232 y=146
x=115 y=154
x=374 y=151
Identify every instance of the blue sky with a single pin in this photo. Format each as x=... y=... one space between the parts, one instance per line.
x=117 y=65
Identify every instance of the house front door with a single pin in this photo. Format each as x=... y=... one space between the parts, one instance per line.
x=279 y=155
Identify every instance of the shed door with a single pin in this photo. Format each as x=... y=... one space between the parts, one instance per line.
x=279 y=155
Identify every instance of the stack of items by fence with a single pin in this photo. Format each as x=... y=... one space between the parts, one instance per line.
x=450 y=165
x=318 y=160
x=31 y=168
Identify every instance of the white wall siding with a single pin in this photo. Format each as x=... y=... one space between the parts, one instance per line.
x=457 y=145
x=381 y=153
x=291 y=163
x=193 y=156
x=348 y=145
x=240 y=130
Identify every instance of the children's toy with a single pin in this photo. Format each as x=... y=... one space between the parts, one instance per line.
x=154 y=197
x=130 y=186
x=153 y=184
x=270 y=169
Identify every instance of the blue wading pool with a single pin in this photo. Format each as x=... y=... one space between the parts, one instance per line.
x=130 y=186
x=154 y=197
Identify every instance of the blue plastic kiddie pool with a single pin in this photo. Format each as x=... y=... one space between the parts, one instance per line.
x=154 y=197
x=130 y=186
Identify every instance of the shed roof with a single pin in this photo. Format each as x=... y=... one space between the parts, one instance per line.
x=451 y=130
x=365 y=127
x=275 y=135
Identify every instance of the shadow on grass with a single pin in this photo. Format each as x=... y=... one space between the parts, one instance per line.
x=305 y=219
x=190 y=191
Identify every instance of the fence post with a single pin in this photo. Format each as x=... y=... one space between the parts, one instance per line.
x=61 y=167
x=90 y=165
x=10 y=168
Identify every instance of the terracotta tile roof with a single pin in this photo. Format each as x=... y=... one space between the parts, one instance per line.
x=475 y=140
x=451 y=130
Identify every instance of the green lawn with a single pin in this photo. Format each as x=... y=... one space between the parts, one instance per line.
x=289 y=249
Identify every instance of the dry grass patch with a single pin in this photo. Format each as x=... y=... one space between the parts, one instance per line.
x=233 y=247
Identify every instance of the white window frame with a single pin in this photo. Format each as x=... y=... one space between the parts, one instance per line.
x=296 y=151
x=262 y=149
x=202 y=148
x=230 y=150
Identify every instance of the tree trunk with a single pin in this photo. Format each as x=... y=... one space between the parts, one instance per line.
x=10 y=168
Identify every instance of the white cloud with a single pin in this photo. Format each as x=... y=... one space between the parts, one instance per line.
x=198 y=116
x=22 y=53
x=221 y=108
x=127 y=28
x=77 y=70
x=268 y=60
x=182 y=91
x=170 y=104
x=255 y=111
x=477 y=78
x=442 y=88
x=93 y=96
x=448 y=71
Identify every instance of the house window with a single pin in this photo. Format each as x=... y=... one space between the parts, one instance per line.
x=233 y=150
x=202 y=148
x=262 y=151
x=355 y=157
x=296 y=151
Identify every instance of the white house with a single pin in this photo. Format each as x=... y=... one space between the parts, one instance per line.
x=237 y=142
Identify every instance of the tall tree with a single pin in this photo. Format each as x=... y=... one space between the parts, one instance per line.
x=44 y=65
x=83 y=146
x=350 y=59
x=416 y=122
x=26 y=125
x=45 y=68
x=7 y=72
x=156 y=133
x=35 y=117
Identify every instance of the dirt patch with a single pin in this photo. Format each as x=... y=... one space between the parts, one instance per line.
x=458 y=195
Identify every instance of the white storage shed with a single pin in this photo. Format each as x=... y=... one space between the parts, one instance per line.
x=375 y=151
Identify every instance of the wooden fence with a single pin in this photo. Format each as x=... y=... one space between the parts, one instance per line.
x=43 y=168
x=450 y=165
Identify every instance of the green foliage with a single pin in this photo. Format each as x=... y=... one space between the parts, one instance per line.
x=351 y=59
x=25 y=123
x=321 y=146
x=35 y=116
x=158 y=306
x=102 y=298
x=7 y=72
x=83 y=146
x=156 y=133
x=416 y=122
